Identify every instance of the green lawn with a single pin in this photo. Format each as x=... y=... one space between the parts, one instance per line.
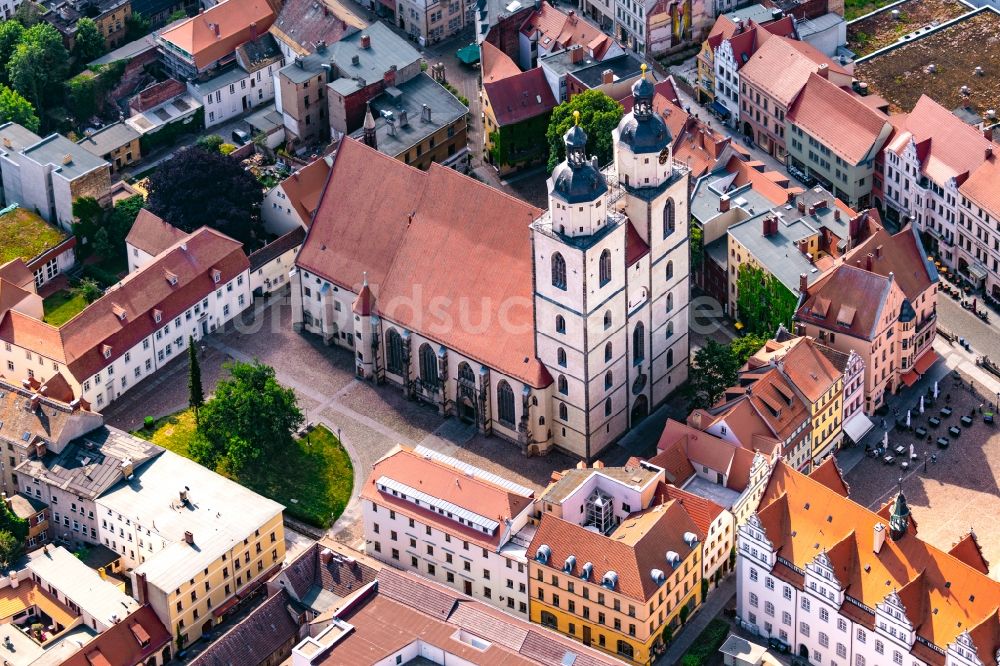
x=706 y=646
x=313 y=479
x=62 y=306
x=26 y=235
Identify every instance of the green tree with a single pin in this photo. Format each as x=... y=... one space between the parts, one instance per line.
x=762 y=302
x=15 y=108
x=10 y=548
x=715 y=369
x=697 y=247
x=28 y=14
x=746 y=346
x=39 y=64
x=196 y=393
x=177 y=16
x=210 y=142
x=136 y=27
x=251 y=417
x=599 y=114
x=89 y=289
x=89 y=216
x=89 y=44
x=11 y=33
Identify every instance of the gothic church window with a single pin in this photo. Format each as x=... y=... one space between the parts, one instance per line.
x=670 y=270
x=607 y=352
x=669 y=223
x=505 y=404
x=605 y=267
x=639 y=343
x=560 y=324
x=558 y=271
x=563 y=413
x=608 y=380
x=607 y=320
x=394 y=343
x=670 y=302
x=428 y=364
x=562 y=385
x=561 y=356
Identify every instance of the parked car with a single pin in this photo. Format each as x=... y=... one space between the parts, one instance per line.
x=778 y=645
x=240 y=137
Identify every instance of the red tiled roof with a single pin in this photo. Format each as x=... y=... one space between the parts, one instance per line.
x=983 y=184
x=303 y=23
x=781 y=67
x=846 y=287
x=828 y=473
x=304 y=188
x=947 y=146
x=519 y=97
x=446 y=483
x=152 y=234
x=633 y=550
x=495 y=64
x=901 y=254
x=16 y=272
x=406 y=227
x=943 y=595
x=132 y=641
x=217 y=31
x=839 y=120
x=556 y=30
x=701 y=510
x=967 y=549
x=635 y=247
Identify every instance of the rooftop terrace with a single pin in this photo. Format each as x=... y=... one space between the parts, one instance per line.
x=26 y=235
x=901 y=74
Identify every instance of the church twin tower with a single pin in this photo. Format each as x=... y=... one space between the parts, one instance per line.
x=611 y=280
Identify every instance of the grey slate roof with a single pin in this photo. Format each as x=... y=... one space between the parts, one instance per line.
x=256 y=637
x=106 y=139
x=387 y=49
x=421 y=89
x=55 y=148
x=91 y=464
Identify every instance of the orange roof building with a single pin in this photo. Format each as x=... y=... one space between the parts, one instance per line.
x=472 y=525
x=292 y=203
x=211 y=38
x=618 y=554
x=845 y=584
x=880 y=297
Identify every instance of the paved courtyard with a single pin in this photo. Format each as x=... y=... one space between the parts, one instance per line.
x=370 y=419
x=959 y=491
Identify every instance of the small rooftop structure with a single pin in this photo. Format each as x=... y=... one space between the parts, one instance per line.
x=109 y=138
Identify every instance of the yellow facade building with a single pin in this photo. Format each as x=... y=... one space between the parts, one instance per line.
x=615 y=563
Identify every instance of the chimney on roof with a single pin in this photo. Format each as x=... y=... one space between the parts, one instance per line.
x=988 y=132
x=812 y=209
x=389 y=78
x=581 y=465
x=694 y=419
x=878 y=538
x=868 y=261
x=326 y=556
x=836 y=214
x=724 y=203
x=253 y=30
x=321 y=46
x=189 y=538
x=878 y=251
x=36 y=400
x=804 y=284
x=824 y=70
x=425 y=113
x=989 y=149
x=215 y=29
x=598 y=464
x=366 y=41
x=576 y=53
x=607 y=77
x=770 y=224
x=141 y=588
x=801 y=205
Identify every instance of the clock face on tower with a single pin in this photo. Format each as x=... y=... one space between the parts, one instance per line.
x=664 y=155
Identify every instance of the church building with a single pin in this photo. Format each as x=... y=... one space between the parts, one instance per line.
x=554 y=329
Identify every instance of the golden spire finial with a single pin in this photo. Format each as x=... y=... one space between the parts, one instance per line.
x=643 y=68
x=576 y=117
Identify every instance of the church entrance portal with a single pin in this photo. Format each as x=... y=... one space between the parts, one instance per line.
x=640 y=409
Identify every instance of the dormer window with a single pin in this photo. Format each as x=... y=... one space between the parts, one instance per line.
x=106 y=351
x=157 y=316
x=171 y=277
x=216 y=276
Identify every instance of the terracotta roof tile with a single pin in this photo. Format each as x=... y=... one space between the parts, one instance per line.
x=556 y=31
x=968 y=550
x=901 y=254
x=495 y=64
x=828 y=473
x=303 y=23
x=305 y=187
x=633 y=549
x=135 y=639
x=839 y=120
x=846 y=285
x=406 y=227
x=152 y=234
x=701 y=510
x=944 y=596
x=16 y=272
x=217 y=31
x=519 y=97
x=983 y=185
x=781 y=67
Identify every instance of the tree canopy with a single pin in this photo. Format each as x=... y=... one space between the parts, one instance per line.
x=11 y=33
x=599 y=114
x=89 y=44
x=714 y=370
x=15 y=108
x=197 y=187
x=39 y=64
x=746 y=346
x=250 y=418
x=105 y=229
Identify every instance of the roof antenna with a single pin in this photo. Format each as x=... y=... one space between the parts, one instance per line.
x=365 y=274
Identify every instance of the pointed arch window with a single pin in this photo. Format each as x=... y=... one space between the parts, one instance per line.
x=670 y=358
x=465 y=373
x=428 y=365
x=607 y=320
x=609 y=380
x=563 y=411
x=607 y=407
x=560 y=324
x=394 y=344
x=558 y=271
x=561 y=356
x=670 y=270
x=669 y=222
x=562 y=385
x=670 y=329
x=607 y=352
x=670 y=302
x=605 y=267
x=639 y=343
x=505 y=404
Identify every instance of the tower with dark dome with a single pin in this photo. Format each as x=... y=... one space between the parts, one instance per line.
x=611 y=280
